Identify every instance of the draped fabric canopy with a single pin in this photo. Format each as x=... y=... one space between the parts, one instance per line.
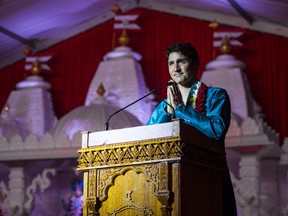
x=75 y=61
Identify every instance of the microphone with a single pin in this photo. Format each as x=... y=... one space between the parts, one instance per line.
x=151 y=92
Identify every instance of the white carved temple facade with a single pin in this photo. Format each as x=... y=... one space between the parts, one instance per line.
x=38 y=152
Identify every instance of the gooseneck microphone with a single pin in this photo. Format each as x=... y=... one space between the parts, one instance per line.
x=151 y=92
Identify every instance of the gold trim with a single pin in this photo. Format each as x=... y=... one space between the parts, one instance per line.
x=127 y=153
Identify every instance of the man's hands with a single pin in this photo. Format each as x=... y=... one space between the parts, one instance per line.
x=174 y=97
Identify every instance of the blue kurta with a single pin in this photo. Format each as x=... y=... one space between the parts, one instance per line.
x=214 y=124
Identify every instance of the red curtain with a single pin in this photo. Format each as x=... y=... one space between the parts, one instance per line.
x=75 y=61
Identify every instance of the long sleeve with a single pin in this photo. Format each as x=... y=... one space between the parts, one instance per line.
x=214 y=124
x=159 y=115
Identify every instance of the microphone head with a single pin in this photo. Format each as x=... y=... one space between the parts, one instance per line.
x=170 y=83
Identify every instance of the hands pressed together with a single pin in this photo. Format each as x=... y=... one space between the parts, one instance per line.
x=174 y=97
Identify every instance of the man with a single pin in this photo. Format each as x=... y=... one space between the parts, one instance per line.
x=206 y=108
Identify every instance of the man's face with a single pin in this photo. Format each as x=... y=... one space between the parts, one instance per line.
x=181 y=69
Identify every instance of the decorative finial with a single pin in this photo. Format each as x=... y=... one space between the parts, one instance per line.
x=36 y=68
x=27 y=50
x=101 y=90
x=225 y=47
x=115 y=8
x=123 y=39
x=6 y=107
x=214 y=24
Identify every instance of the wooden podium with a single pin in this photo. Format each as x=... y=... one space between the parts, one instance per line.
x=164 y=169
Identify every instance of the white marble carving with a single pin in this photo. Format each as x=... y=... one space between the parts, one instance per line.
x=41 y=181
x=13 y=204
x=247 y=187
x=31 y=110
x=124 y=73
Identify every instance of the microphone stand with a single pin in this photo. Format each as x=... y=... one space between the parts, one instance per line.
x=154 y=90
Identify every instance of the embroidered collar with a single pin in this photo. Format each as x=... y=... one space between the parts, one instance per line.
x=197 y=97
x=193 y=94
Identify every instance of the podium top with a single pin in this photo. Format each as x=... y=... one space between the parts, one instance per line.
x=172 y=141
x=158 y=131
x=167 y=130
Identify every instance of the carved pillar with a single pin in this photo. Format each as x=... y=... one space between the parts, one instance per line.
x=249 y=179
x=15 y=199
x=164 y=194
x=269 y=190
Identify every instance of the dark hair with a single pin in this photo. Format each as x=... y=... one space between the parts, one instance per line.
x=187 y=50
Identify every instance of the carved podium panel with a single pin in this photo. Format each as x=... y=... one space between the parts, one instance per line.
x=164 y=169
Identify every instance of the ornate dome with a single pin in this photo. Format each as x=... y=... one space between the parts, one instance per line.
x=33 y=82
x=225 y=61
x=122 y=52
x=93 y=118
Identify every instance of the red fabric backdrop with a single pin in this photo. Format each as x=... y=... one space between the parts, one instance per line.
x=75 y=61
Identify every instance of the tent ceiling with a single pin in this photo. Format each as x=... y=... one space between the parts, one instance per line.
x=43 y=23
